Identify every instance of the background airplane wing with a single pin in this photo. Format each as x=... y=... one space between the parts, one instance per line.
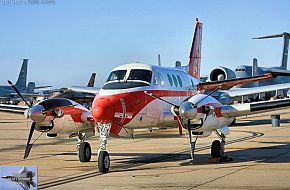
x=13 y=108
x=253 y=108
x=227 y=84
x=91 y=90
x=235 y=92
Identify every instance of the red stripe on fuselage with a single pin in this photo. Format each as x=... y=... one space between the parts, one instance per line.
x=105 y=106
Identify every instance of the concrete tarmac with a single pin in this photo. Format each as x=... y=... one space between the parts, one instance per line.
x=157 y=160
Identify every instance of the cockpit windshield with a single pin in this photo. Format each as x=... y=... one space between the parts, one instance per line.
x=136 y=78
x=139 y=74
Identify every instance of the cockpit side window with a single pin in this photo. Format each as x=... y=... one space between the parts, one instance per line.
x=117 y=75
x=140 y=74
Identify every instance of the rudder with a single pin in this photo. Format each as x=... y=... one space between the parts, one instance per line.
x=195 y=52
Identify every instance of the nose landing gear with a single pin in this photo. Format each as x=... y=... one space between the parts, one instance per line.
x=103 y=155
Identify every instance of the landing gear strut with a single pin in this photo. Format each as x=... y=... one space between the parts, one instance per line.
x=103 y=155
x=218 y=148
x=84 y=149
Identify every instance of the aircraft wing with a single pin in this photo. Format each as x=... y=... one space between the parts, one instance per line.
x=91 y=90
x=24 y=184
x=13 y=108
x=29 y=95
x=235 y=92
x=227 y=84
x=253 y=108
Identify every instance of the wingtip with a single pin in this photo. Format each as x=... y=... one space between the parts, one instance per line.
x=9 y=82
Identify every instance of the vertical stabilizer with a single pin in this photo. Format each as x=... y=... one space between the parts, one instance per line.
x=195 y=52
x=21 y=81
x=286 y=37
x=285 y=50
x=92 y=80
x=255 y=67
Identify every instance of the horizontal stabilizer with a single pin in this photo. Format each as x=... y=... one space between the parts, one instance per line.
x=285 y=34
x=40 y=87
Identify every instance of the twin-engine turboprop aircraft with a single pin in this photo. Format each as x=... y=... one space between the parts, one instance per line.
x=139 y=96
x=145 y=96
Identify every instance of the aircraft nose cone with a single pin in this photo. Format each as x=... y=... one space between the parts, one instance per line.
x=35 y=113
x=103 y=110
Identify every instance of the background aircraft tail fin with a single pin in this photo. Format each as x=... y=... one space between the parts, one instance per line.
x=193 y=67
x=21 y=81
x=91 y=82
x=286 y=37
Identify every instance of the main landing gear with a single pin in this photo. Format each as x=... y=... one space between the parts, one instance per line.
x=103 y=155
x=83 y=148
x=218 y=149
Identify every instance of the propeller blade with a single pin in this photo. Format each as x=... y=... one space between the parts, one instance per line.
x=18 y=93
x=28 y=145
x=196 y=104
x=190 y=138
x=152 y=95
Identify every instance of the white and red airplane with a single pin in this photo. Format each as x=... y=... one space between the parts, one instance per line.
x=138 y=96
x=145 y=96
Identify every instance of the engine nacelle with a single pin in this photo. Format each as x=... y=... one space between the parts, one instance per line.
x=225 y=99
x=221 y=73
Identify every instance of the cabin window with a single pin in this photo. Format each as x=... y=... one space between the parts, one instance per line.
x=179 y=80
x=117 y=75
x=192 y=83
x=174 y=80
x=158 y=79
x=169 y=79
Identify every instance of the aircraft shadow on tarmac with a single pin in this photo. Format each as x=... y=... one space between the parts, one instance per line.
x=279 y=153
x=276 y=153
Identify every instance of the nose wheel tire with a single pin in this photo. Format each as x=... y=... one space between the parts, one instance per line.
x=104 y=162
x=216 y=149
x=84 y=152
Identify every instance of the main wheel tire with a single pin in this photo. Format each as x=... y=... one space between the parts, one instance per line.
x=84 y=152
x=216 y=151
x=104 y=162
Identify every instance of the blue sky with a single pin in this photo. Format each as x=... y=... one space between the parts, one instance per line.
x=68 y=40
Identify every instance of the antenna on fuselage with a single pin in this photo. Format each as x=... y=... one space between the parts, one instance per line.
x=177 y=64
x=159 y=60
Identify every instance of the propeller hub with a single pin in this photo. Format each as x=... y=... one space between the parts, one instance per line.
x=188 y=110
x=35 y=113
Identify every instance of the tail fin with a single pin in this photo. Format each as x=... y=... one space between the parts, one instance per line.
x=286 y=37
x=21 y=81
x=193 y=67
x=92 y=80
